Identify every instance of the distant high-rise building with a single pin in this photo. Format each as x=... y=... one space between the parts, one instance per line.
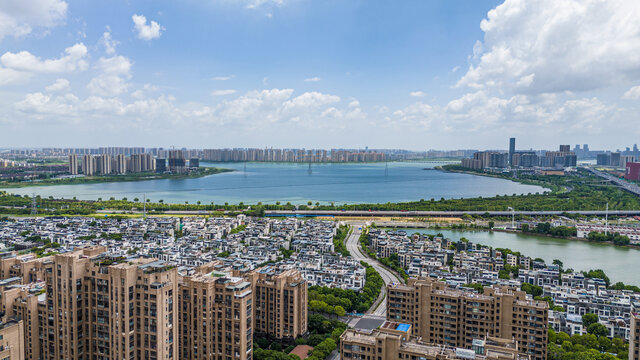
x=512 y=150
x=103 y=164
x=121 y=164
x=176 y=161
x=194 y=163
x=88 y=165
x=565 y=148
x=161 y=165
x=73 y=164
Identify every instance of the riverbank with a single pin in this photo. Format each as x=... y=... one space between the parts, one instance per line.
x=458 y=169
x=201 y=172
x=484 y=229
x=578 y=255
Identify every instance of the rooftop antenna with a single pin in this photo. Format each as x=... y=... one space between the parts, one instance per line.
x=34 y=205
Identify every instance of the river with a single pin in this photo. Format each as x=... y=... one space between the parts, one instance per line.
x=289 y=182
x=619 y=263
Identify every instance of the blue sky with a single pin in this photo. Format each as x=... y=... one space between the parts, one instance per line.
x=331 y=73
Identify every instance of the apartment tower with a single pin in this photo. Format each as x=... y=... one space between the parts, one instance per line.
x=280 y=302
x=73 y=164
x=456 y=318
x=634 y=337
x=215 y=319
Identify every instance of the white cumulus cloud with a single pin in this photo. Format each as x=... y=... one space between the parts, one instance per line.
x=113 y=76
x=19 y=17
x=633 y=93
x=25 y=61
x=418 y=94
x=146 y=32
x=59 y=85
x=548 y=46
x=313 y=79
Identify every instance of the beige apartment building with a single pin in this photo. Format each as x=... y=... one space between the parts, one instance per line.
x=395 y=341
x=27 y=267
x=456 y=318
x=215 y=316
x=100 y=307
x=11 y=340
x=280 y=303
x=90 y=305
x=634 y=337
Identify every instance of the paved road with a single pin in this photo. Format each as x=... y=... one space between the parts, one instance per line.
x=621 y=183
x=353 y=245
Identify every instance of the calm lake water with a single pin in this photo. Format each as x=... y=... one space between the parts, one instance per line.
x=285 y=182
x=619 y=263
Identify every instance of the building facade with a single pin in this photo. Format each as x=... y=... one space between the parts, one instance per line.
x=395 y=341
x=455 y=318
x=216 y=319
x=280 y=303
x=634 y=337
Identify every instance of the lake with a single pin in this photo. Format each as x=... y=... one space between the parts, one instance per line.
x=619 y=263
x=288 y=182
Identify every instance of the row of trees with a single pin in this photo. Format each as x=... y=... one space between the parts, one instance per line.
x=592 y=346
x=546 y=229
x=614 y=238
x=339 y=301
x=338 y=240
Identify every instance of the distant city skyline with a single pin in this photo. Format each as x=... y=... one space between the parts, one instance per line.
x=320 y=74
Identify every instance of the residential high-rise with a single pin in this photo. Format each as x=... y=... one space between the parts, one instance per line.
x=88 y=165
x=11 y=340
x=512 y=150
x=121 y=164
x=27 y=267
x=395 y=341
x=113 y=308
x=451 y=317
x=103 y=164
x=73 y=164
x=176 y=161
x=634 y=337
x=280 y=302
x=215 y=316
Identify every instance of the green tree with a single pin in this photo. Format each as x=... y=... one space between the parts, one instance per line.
x=588 y=319
x=598 y=330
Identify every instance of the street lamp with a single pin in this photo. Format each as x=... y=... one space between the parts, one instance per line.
x=513 y=217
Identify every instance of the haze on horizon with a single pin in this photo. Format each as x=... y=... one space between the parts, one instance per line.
x=443 y=74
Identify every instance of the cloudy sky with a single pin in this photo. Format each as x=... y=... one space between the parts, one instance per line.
x=417 y=74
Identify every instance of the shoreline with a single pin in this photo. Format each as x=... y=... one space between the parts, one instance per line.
x=495 y=176
x=570 y=238
x=113 y=178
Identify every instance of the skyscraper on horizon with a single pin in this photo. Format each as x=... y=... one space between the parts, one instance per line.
x=512 y=150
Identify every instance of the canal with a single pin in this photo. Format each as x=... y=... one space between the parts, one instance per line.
x=619 y=263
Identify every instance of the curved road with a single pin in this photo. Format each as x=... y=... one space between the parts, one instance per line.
x=353 y=245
